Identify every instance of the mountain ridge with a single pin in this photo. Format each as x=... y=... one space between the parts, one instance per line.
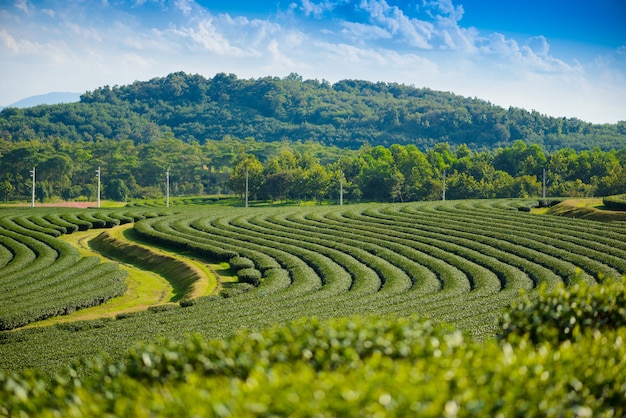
x=348 y=114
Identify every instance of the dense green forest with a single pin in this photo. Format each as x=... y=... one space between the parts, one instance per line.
x=302 y=140
x=301 y=171
x=347 y=114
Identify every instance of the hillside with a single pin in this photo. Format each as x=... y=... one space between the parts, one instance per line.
x=348 y=114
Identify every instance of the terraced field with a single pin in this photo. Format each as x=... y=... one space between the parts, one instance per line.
x=460 y=262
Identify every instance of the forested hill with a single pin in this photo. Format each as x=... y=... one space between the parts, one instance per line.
x=348 y=113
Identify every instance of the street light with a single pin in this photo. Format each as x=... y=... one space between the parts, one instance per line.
x=98 y=174
x=340 y=187
x=32 y=172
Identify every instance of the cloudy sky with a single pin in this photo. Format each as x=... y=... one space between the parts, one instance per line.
x=559 y=57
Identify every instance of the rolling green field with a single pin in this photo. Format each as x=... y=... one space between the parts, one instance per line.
x=456 y=262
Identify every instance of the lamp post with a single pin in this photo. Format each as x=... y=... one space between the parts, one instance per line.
x=32 y=172
x=340 y=187
x=98 y=174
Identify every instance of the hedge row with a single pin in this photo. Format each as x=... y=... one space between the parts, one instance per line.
x=42 y=276
x=617 y=202
x=358 y=366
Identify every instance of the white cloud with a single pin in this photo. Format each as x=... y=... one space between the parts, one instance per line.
x=279 y=60
x=361 y=32
x=315 y=9
x=534 y=56
x=442 y=30
x=539 y=45
x=83 y=33
x=348 y=58
x=24 y=6
x=185 y=6
x=444 y=8
x=48 y=12
x=416 y=32
x=250 y=35
x=18 y=46
x=206 y=35
x=9 y=41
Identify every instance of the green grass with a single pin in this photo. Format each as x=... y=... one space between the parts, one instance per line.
x=188 y=278
x=592 y=209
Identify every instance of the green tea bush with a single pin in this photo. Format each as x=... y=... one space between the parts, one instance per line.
x=238 y=263
x=235 y=290
x=617 y=202
x=358 y=366
x=249 y=275
x=56 y=219
x=563 y=313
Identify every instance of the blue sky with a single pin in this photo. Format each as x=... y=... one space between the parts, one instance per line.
x=559 y=57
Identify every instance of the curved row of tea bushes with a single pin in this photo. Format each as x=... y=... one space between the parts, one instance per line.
x=599 y=254
x=482 y=273
x=313 y=260
x=361 y=366
x=393 y=243
x=86 y=285
x=18 y=254
x=42 y=276
x=442 y=232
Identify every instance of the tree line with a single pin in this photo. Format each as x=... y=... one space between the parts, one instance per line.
x=347 y=114
x=302 y=171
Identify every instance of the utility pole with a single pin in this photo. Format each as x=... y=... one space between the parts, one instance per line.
x=544 y=183
x=444 y=185
x=246 y=186
x=167 y=188
x=98 y=174
x=340 y=187
x=32 y=172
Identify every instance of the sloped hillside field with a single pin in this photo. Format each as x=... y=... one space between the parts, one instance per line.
x=460 y=262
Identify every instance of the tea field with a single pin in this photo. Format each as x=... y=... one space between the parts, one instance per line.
x=459 y=262
x=458 y=308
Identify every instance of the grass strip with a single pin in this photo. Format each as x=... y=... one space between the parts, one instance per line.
x=188 y=278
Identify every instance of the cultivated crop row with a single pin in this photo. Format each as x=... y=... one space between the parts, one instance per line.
x=461 y=262
x=413 y=256
x=42 y=276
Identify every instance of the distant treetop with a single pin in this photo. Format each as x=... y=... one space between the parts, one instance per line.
x=349 y=114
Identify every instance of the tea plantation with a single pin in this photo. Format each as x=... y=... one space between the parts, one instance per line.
x=525 y=314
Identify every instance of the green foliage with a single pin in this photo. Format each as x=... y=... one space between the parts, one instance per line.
x=309 y=171
x=249 y=275
x=357 y=366
x=348 y=113
x=617 y=202
x=41 y=276
x=461 y=262
x=116 y=190
x=294 y=135
x=566 y=313
x=238 y=263
x=180 y=275
x=46 y=277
